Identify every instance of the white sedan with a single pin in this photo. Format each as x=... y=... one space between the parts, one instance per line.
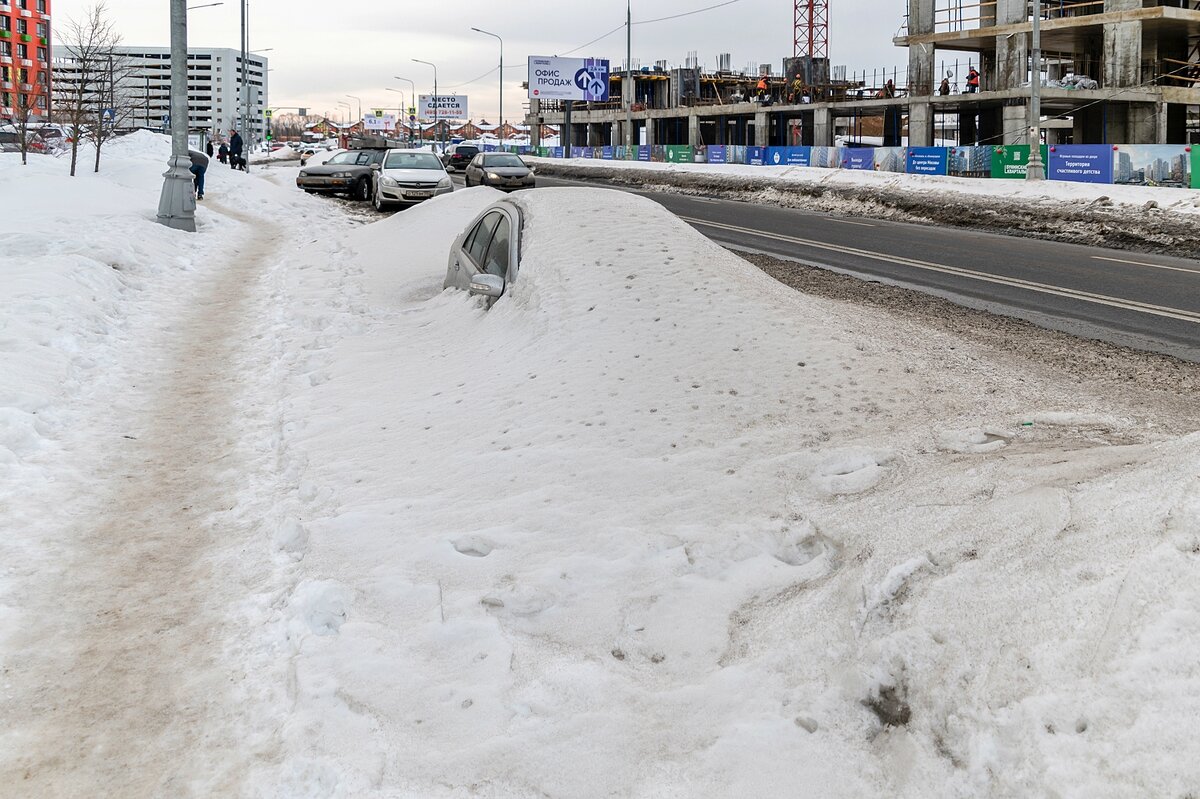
x=408 y=177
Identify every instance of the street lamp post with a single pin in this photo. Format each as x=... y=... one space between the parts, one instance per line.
x=437 y=128
x=627 y=89
x=413 y=94
x=177 y=204
x=500 y=129
x=1036 y=170
x=403 y=107
x=360 y=116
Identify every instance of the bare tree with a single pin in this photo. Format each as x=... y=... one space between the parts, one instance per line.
x=89 y=44
x=119 y=100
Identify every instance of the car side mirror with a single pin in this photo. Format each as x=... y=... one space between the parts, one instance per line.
x=487 y=285
x=376 y=167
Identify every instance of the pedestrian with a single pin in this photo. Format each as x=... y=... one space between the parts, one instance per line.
x=944 y=89
x=198 y=168
x=208 y=148
x=972 y=81
x=235 y=150
x=223 y=153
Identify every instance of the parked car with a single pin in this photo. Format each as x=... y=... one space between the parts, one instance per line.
x=485 y=258
x=457 y=156
x=407 y=177
x=348 y=172
x=504 y=171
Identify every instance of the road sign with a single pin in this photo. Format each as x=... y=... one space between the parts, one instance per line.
x=267 y=113
x=166 y=120
x=108 y=116
x=378 y=112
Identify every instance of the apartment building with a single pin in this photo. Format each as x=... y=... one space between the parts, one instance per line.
x=142 y=87
x=25 y=72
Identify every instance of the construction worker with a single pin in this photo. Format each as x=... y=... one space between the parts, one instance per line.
x=972 y=81
x=763 y=90
x=796 y=90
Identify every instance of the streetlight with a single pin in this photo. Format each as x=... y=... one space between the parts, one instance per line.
x=352 y=97
x=436 y=127
x=1035 y=169
x=176 y=204
x=500 y=129
x=349 y=108
x=412 y=94
x=403 y=107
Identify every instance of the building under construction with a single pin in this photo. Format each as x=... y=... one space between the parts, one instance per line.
x=1111 y=71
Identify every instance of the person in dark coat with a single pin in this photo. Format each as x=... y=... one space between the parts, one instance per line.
x=198 y=168
x=223 y=152
x=235 y=149
x=208 y=148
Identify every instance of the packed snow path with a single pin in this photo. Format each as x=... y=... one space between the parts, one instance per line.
x=121 y=687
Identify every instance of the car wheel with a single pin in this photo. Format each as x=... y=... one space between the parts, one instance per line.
x=362 y=190
x=377 y=201
x=467 y=181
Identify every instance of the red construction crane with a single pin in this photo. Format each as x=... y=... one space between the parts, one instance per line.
x=812 y=28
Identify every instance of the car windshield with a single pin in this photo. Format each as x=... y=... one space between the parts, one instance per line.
x=412 y=161
x=467 y=150
x=344 y=158
x=502 y=159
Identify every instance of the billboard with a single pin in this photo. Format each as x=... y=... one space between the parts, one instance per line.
x=554 y=78
x=449 y=106
x=858 y=158
x=1082 y=163
x=927 y=161
x=1012 y=161
x=890 y=159
x=379 y=122
x=1152 y=165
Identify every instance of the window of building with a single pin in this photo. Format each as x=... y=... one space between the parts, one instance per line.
x=41 y=53
x=43 y=29
x=22 y=26
x=41 y=101
x=5 y=49
x=22 y=51
x=5 y=24
x=42 y=6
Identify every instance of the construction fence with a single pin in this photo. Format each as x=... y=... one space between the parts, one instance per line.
x=1169 y=165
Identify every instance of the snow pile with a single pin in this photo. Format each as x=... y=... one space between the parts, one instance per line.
x=722 y=538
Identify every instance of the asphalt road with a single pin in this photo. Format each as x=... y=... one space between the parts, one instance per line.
x=1148 y=302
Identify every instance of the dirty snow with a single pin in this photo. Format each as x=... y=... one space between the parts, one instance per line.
x=283 y=518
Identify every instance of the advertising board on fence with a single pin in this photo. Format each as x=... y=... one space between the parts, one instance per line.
x=447 y=106
x=1012 y=161
x=927 y=160
x=756 y=155
x=825 y=157
x=890 y=159
x=554 y=78
x=679 y=153
x=858 y=158
x=971 y=162
x=379 y=122
x=1080 y=163
x=1152 y=165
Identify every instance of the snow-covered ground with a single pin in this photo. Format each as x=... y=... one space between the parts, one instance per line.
x=1047 y=193
x=283 y=518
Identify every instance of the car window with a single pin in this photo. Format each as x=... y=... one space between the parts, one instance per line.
x=496 y=260
x=503 y=159
x=343 y=158
x=482 y=236
x=412 y=161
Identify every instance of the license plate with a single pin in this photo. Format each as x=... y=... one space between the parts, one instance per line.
x=418 y=194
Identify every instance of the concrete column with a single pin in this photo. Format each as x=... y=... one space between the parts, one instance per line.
x=615 y=135
x=650 y=131
x=1121 y=60
x=762 y=129
x=1016 y=124
x=920 y=125
x=694 y=130
x=822 y=127
x=1146 y=124
x=920 y=56
x=1012 y=51
x=535 y=127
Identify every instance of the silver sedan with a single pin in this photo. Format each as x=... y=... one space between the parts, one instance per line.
x=485 y=257
x=504 y=171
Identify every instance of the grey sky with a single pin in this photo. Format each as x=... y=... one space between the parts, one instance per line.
x=323 y=51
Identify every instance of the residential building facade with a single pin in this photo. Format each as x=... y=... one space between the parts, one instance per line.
x=142 y=89
x=25 y=67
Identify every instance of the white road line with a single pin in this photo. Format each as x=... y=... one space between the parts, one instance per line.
x=848 y=221
x=1043 y=288
x=1152 y=266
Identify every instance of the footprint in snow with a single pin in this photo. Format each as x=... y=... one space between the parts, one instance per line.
x=473 y=546
x=851 y=471
x=974 y=440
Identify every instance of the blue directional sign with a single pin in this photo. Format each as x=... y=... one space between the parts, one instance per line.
x=108 y=116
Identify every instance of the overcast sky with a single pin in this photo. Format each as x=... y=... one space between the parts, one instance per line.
x=322 y=51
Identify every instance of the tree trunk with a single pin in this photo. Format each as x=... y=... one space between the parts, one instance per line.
x=74 y=151
x=99 y=139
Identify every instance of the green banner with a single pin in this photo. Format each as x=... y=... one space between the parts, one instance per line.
x=1012 y=160
x=679 y=153
x=543 y=152
x=1195 y=168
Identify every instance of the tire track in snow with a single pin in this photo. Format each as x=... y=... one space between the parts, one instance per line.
x=122 y=690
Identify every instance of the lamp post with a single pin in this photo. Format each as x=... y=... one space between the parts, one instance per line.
x=437 y=128
x=403 y=107
x=360 y=116
x=1036 y=170
x=176 y=204
x=627 y=90
x=413 y=94
x=500 y=128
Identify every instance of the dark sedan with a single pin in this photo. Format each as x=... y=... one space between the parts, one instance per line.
x=348 y=172
x=503 y=171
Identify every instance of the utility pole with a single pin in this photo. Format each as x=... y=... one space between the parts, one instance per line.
x=1036 y=170
x=177 y=204
x=627 y=90
x=500 y=129
x=437 y=130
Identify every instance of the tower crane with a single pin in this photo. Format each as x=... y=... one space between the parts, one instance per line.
x=811 y=28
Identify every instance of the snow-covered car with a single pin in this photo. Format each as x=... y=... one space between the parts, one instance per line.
x=485 y=258
x=405 y=177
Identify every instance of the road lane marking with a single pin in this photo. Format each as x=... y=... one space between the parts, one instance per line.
x=848 y=221
x=1144 y=263
x=1043 y=288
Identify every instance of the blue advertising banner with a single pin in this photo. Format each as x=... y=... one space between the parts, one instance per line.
x=799 y=156
x=859 y=158
x=775 y=156
x=556 y=152
x=577 y=152
x=716 y=154
x=489 y=148
x=756 y=155
x=607 y=153
x=589 y=152
x=927 y=161
x=643 y=152
x=1082 y=163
